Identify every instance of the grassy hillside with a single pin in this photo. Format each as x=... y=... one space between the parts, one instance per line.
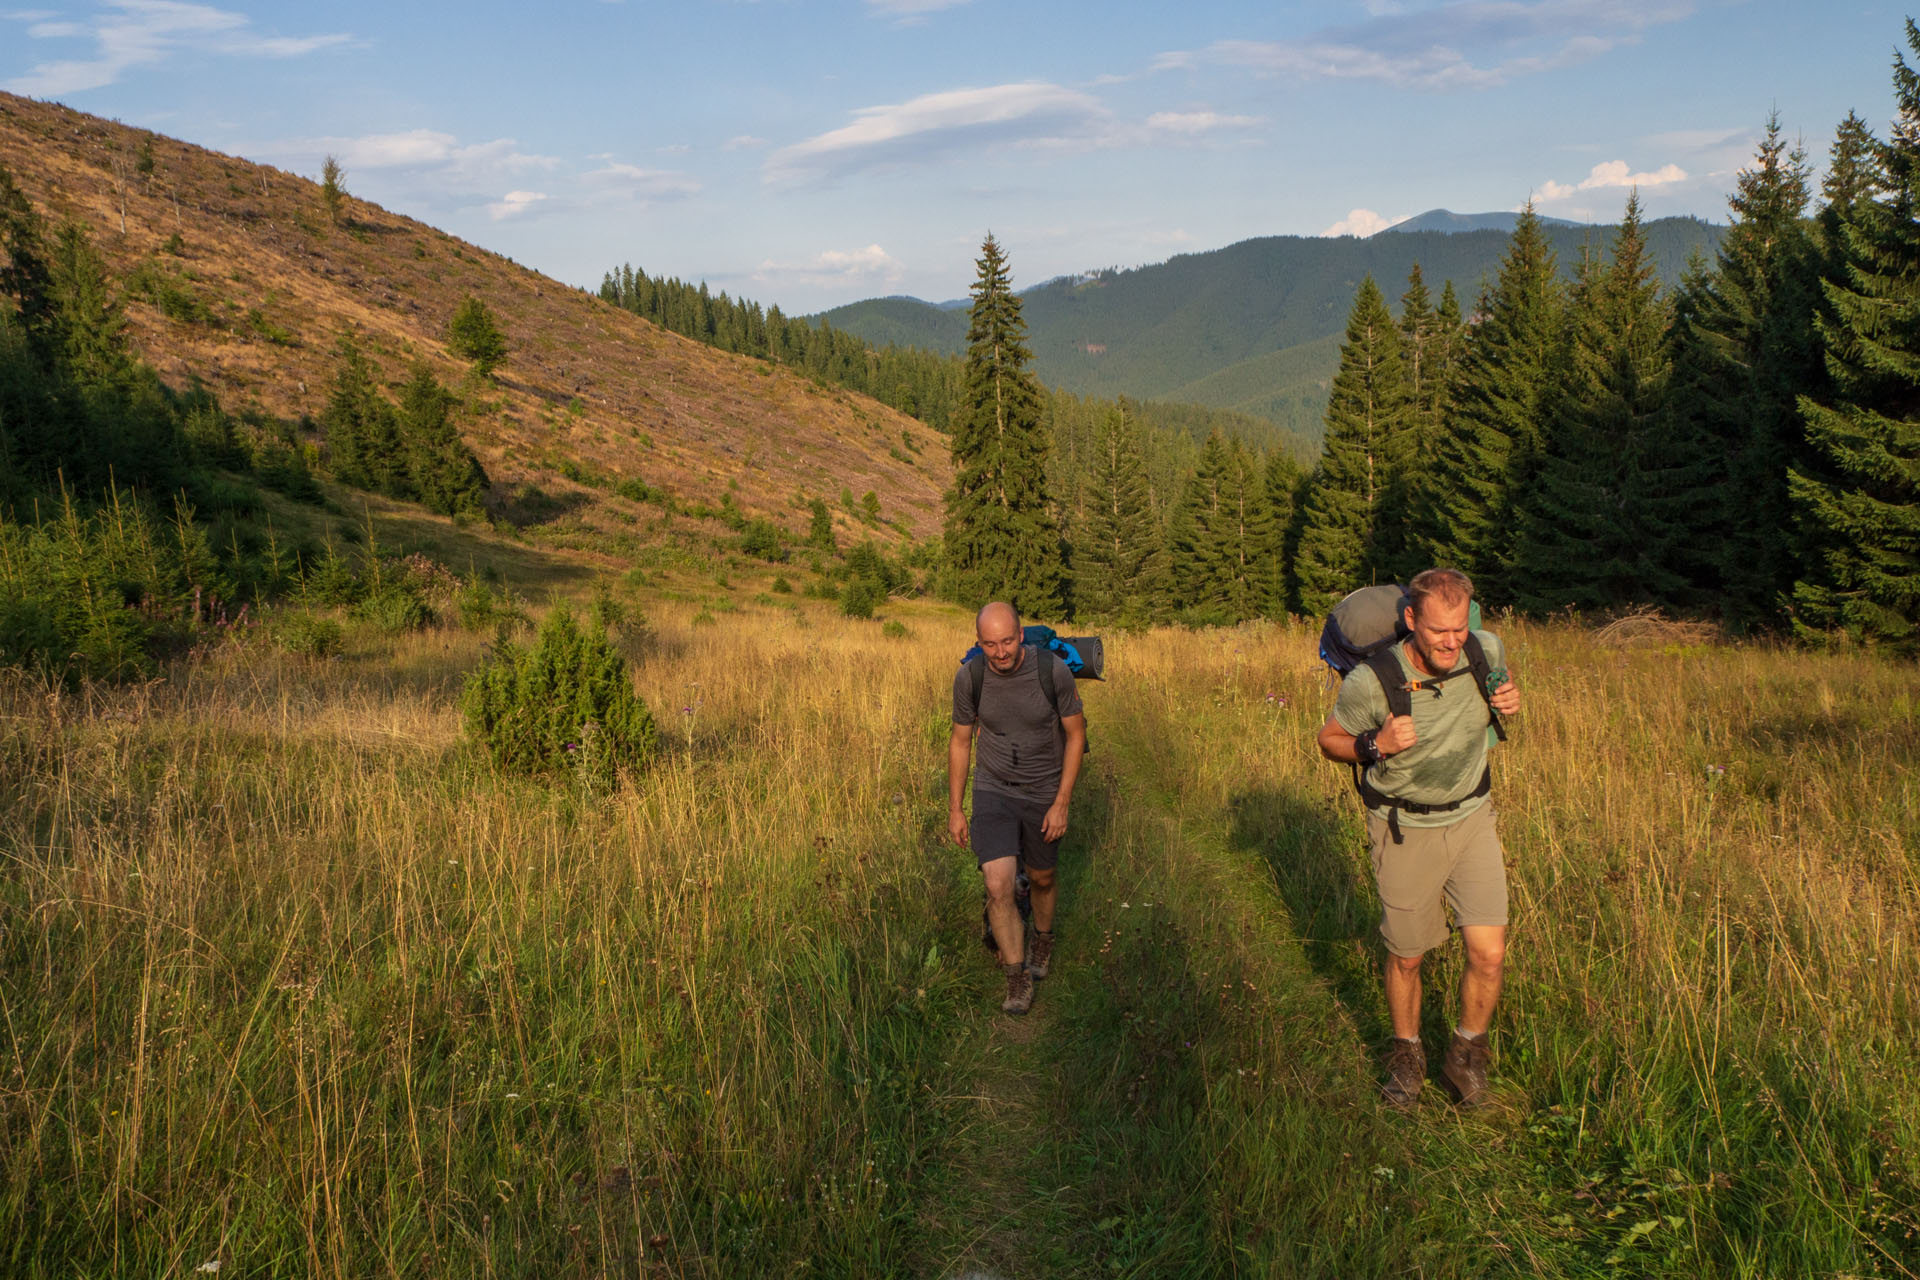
x=237 y=277
x=1161 y=332
x=292 y=982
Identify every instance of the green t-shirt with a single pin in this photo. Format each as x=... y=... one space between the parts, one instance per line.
x=1450 y=725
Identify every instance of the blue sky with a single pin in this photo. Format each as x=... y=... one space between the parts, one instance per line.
x=809 y=153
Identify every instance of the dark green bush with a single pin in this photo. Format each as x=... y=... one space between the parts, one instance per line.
x=764 y=540
x=393 y=610
x=309 y=635
x=861 y=598
x=563 y=706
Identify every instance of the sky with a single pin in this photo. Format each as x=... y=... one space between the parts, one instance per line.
x=807 y=153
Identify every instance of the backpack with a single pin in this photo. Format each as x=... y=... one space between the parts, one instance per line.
x=1085 y=656
x=1360 y=632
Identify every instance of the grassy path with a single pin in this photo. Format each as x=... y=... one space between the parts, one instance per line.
x=1188 y=1097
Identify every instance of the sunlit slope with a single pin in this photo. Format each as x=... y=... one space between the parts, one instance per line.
x=259 y=286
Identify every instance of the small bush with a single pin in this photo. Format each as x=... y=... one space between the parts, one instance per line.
x=308 y=635
x=781 y=587
x=894 y=629
x=703 y=619
x=562 y=707
x=861 y=598
x=763 y=540
x=394 y=610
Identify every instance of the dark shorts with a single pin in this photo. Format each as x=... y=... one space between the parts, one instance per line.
x=1007 y=826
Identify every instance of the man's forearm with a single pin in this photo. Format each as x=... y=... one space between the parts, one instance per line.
x=958 y=758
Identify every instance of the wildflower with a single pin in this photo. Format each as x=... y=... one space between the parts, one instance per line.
x=211 y=1266
x=1716 y=770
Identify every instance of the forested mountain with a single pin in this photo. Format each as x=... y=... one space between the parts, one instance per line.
x=1448 y=220
x=1252 y=327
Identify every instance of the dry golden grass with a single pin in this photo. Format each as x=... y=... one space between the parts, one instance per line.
x=651 y=404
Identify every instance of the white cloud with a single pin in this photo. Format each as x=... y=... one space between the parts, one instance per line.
x=466 y=167
x=910 y=10
x=1611 y=175
x=1464 y=44
x=140 y=33
x=1196 y=123
x=1363 y=223
x=643 y=184
x=1011 y=115
x=870 y=267
x=743 y=142
x=515 y=203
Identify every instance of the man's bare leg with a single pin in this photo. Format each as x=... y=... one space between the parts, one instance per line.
x=1042 y=892
x=1403 y=995
x=1480 y=986
x=1009 y=931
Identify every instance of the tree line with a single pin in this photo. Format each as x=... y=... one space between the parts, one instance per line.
x=1745 y=447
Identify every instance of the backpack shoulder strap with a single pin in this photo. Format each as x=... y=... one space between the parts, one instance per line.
x=1045 y=663
x=1477 y=663
x=1393 y=682
x=977 y=674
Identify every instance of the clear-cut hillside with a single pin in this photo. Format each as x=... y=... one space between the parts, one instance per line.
x=271 y=285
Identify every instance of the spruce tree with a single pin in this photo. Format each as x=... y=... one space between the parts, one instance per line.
x=1593 y=532
x=333 y=191
x=1498 y=404
x=1119 y=565
x=1002 y=540
x=1281 y=479
x=362 y=432
x=1342 y=533
x=475 y=337
x=442 y=469
x=1863 y=503
x=1744 y=351
x=1219 y=538
x=88 y=325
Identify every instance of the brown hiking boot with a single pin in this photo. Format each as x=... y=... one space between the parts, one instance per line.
x=1039 y=952
x=1465 y=1068
x=1019 y=990
x=1406 y=1063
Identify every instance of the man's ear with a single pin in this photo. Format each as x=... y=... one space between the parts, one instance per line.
x=1406 y=616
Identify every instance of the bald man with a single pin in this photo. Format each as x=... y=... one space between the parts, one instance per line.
x=1029 y=759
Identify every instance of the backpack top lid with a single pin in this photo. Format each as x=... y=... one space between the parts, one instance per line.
x=1362 y=624
x=1367 y=621
x=1085 y=656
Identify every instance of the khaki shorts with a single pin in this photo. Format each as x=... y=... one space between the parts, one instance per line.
x=1460 y=862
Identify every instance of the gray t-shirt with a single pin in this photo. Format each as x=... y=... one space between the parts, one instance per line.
x=1450 y=726
x=1020 y=746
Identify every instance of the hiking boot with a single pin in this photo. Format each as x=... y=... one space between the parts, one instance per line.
x=1406 y=1063
x=1019 y=990
x=1039 y=951
x=1465 y=1069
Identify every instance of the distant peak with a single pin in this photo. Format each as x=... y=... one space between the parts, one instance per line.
x=1449 y=221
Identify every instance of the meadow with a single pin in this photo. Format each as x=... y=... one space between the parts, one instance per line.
x=294 y=983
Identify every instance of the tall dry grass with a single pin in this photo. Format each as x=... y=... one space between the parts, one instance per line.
x=292 y=981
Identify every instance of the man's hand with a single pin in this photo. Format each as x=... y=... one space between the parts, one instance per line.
x=1506 y=699
x=957 y=827
x=1054 y=825
x=1396 y=735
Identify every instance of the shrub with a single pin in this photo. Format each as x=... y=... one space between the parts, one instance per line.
x=563 y=706
x=861 y=598
x=308 y=635
x=781 y=587
x=764 y=540
x=393 y=609
x=895 y=629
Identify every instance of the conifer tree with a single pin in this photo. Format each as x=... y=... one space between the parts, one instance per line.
x=25 y=275
x=1001 y=537
x=1219 y=535
x=1119 y=564
x=1499 y=401
x=88 y=324
x=363 y=435
x=1593 y=532
x=473 y=336
x=442 y=469
x=1342 y=532
x=333 y=191
x=1863 y=504
x=1281 y=480
x=1744 y=350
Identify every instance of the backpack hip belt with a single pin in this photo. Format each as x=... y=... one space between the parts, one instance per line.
x=1377 y=799
x=1399 y=693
